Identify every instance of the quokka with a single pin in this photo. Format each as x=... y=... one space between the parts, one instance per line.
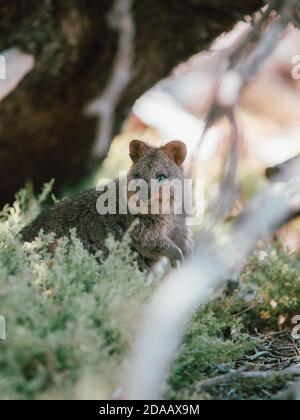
x=153 y=236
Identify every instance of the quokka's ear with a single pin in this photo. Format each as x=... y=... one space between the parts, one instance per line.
x=137 y=149
x=176 y=151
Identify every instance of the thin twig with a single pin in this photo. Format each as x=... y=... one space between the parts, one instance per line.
x=228 y=188
x=230 y=63
x=243 y=62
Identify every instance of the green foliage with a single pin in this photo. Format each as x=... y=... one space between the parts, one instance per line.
x=66 y=314
x=213 y=343
x=273 y=277
x=267 y=298
x=70 y=321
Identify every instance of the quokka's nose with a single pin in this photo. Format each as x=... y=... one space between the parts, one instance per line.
x=145 y=194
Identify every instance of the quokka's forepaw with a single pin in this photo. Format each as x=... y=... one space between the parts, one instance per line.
x=177 y=257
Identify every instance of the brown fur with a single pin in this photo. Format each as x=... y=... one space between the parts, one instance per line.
x=154 y=237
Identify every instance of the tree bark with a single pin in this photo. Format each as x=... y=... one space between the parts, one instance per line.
x=43 y=130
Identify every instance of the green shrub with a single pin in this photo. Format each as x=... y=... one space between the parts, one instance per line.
x=274 y=279
x=70 y=321
x=213 y=344
x=66 y=314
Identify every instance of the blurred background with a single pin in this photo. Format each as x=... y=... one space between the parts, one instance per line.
x=84 y=78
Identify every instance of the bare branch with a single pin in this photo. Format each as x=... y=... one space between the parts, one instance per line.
x=105 y=106
x=228 y=187
x=235 y=71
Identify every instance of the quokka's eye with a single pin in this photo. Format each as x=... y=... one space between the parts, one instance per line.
x=136 y=176
x=161 y=178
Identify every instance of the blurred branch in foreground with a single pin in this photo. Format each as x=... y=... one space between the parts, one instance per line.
x=291 y=394
x=167 y=314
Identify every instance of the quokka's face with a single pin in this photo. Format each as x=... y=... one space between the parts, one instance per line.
x=156 y=177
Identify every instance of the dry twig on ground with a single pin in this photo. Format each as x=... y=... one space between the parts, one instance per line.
x=242 y=374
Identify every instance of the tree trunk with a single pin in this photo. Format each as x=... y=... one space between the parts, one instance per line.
x=43 y=131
